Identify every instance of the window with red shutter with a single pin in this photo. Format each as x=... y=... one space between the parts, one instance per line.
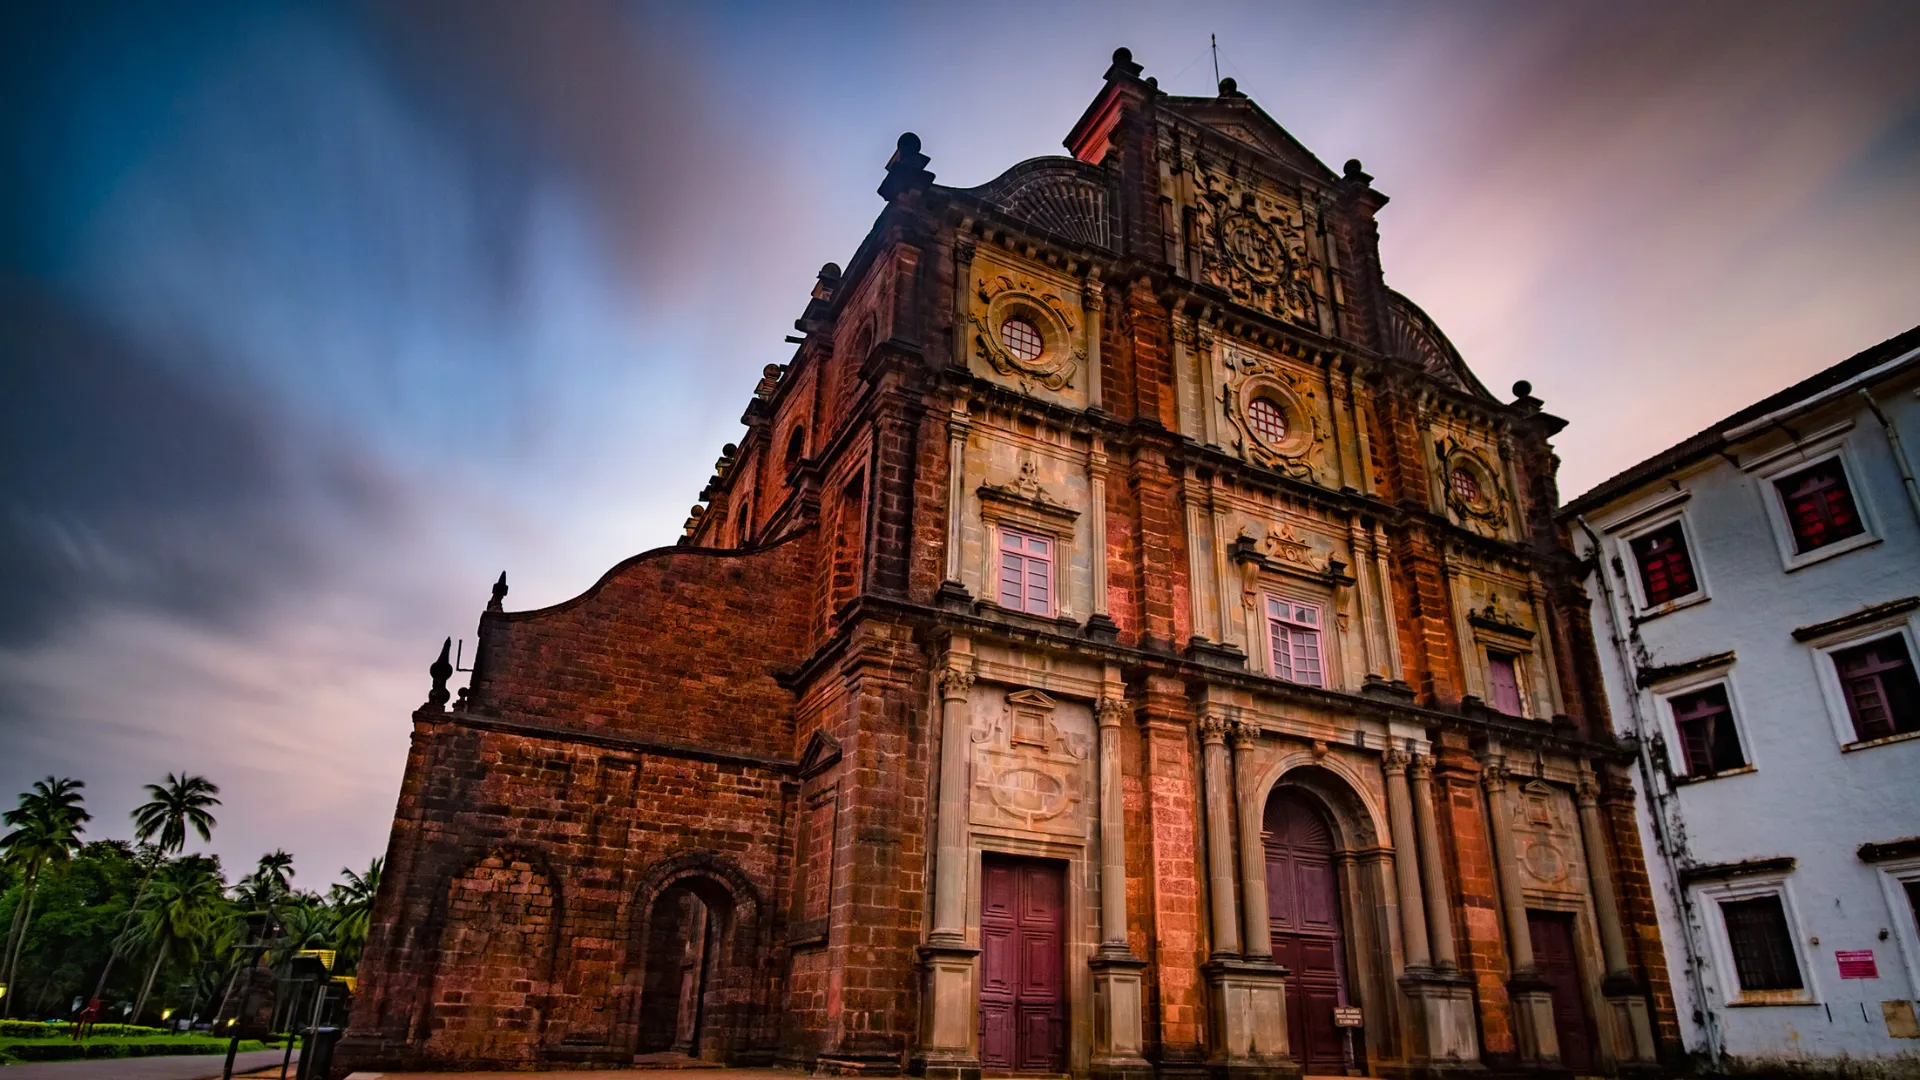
x=1762 y=944
x=1708 y=741
x=1878 y=683
x=1666 y=567
x=1026 y=572
x=1819 y=506
x=1503 y=683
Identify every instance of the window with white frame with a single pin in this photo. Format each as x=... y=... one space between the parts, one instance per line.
x=1664 y=565
x=1703 y=724
x=1812 y=500
x=1900 y=878
x=1877 y=684
x=1868 y=678
x=1293 y=641
x=1757 y=946
x=1026 y=572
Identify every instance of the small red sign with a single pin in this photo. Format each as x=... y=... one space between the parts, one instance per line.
x=1856 y=963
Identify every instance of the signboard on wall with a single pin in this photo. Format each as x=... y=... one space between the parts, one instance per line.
x=1856 y=963
x=1346 y=1016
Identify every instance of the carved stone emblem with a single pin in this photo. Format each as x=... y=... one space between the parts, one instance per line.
x=1472 y=487
x=1252 y=246
x=1027 y=773
x=1059 y=356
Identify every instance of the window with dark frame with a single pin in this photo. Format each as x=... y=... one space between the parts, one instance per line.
x=1465 y=485
x=1503 y=682
x=1762 y=944
x=1026 y=572
x=1666 y=567
x=1819 y=506
x=1878 y=682
x=1708 y=741
x=1293 y=636
x=1022 y=338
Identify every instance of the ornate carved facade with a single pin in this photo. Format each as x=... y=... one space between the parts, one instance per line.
x=1127 y=640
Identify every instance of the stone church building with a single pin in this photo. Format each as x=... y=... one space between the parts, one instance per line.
x=1127 y=640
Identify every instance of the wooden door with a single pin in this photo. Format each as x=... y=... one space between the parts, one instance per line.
x=1023 y=989
x=1552 y=934
x=1303 y=915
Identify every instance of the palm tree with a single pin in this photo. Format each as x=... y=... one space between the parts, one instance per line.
x=47 y=827
x=183 y=802
x=186 y=896
x=353 y=906
x=269 y=885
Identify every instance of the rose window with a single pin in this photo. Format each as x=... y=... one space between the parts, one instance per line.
x=1267 y=420
x=1021 y=338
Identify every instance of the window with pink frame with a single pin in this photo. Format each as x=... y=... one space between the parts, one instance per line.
x=1293 y=636
x=1026 y=572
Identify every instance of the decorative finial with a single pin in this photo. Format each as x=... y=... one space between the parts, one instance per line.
x=1123 y=55
x=1522 y=388
x=1229 y=88
x=499 y=593
x=441 y=671
x=906 y=169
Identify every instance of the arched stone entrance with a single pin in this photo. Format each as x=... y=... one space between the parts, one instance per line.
x=692 y=972
x=1304 y=920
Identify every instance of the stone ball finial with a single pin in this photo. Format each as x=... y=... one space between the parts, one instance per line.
x=729 y=450
x=1523 y=388
x=830 y=271
x=1228 y=87
x=1353 y=167
x=909 y=143
x=1123 y=55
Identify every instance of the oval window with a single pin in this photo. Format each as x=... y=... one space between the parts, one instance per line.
x=1268 y=421
x=1466 y=486
x=1021 y=338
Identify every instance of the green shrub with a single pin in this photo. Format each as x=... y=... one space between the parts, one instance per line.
x=65 y=1049
x=36 y=1029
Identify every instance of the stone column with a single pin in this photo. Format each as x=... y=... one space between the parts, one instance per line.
x=1253 y=847
x=1094 y=303
x=1119 y=1030
x=1532 y=1002
x=1406 y=863
x=1439 y=909
x=1182 y=358
x=1113 y=847
x=1226 y=595
x=1209 y=393
x=958 y=425
x=1194 y=497
x=1097 y=530
x=1220 y=839
x=950 y=867
x=947 y=1026
x=1632 y=1025
x=1247 y=995
x=1363 y=585
x=1390 y=618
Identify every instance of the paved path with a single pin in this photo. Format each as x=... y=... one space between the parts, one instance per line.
x=594 y=1075
x=175 y=1067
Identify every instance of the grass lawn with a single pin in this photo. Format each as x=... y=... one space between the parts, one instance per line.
x=62 y=1048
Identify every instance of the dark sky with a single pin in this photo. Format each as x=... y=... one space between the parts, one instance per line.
x=314 y=318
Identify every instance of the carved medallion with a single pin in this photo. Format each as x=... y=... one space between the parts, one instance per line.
x=1052 y=363
x=1027 y=773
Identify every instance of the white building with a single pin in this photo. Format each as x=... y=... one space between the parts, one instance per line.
x=1756 y=607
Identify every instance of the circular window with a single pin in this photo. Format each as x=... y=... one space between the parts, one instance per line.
x=1268 y=421
x=1021 y=338
x=1466 y=486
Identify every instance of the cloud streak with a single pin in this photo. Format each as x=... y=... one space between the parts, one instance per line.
x=317 y=317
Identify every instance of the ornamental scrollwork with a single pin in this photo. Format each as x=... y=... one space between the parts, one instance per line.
x=1253 y=378
x=1472 y=486
x=1059 y=357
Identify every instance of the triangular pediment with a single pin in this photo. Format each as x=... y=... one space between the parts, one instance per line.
x=1239 y=119
x=1032 y=699
x=821 y=752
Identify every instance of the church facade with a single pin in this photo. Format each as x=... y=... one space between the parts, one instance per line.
x=1127 y=640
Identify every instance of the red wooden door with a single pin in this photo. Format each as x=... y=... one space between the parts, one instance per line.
x=1023 y=990
x=1303 y=915
x=1552 y=934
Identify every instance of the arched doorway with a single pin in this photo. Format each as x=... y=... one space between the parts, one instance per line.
x=1303 y=915
x=686 y=929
